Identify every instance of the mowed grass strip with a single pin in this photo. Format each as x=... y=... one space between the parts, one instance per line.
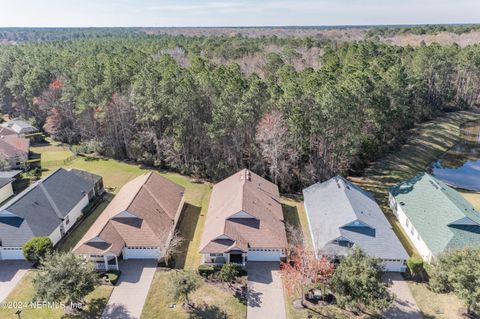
x=24 y=292
x=210 y=302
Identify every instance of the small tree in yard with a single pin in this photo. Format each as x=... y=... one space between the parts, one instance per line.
x=459 y=272
x=64 y=278
x=295 y=238
x=37 y=248
x=182 y=284
x=358 y=283
x=415 y=266
x=303 y=269
x=172 y=247
x=228 y=272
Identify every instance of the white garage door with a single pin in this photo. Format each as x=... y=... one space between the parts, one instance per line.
x=264 y=254
x=141 y=253
x=394 y=266
x=11 y=254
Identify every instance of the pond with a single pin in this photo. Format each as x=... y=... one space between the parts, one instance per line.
x=460 y=166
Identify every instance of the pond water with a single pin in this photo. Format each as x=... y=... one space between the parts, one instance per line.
x=460 y=166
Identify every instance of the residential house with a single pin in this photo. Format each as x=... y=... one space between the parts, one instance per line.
x=48 y=208
x=20 y=127
x=7 y=178
x=435 y=217
x=137 y=224
x=244 y=221
x=14 y=148
x=342 y=215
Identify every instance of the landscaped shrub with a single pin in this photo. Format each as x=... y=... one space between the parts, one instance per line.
x=415 y=266
x=206 y=270
x=113 y=276
x=229 y=272
x=37 y=248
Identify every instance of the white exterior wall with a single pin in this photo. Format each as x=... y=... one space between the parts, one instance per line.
x=76 y=212
x=207 y=258
x=410 y=230
x=56 y=235
x=6 y=192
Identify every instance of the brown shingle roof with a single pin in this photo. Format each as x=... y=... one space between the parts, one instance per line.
x=154 y=203
x=14 y=145
x=250 y=193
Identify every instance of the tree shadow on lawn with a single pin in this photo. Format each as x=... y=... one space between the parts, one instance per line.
x=94 y=310
x=207 y=312
x=187 y=226
x=290 y=215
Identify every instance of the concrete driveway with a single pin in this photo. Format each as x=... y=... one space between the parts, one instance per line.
x=405 y=306
x=11 y=272
x=130 y=293
x=265 y=291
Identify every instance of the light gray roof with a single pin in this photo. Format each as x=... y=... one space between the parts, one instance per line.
x=338 y=209
x=9 y=174
x=20 y=127
x=40 y=209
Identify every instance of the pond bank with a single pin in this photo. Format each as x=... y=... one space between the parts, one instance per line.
x=427 y=142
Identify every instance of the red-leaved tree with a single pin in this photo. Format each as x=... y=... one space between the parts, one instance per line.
x=303 y=269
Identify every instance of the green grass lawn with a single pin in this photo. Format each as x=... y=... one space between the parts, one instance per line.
x=24 y=292
x=53 y=155
x=439 y=306
x=210 y=302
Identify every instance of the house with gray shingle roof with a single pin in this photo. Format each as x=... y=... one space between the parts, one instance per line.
x=435 y=217
x=342 y=215
x=47 y=208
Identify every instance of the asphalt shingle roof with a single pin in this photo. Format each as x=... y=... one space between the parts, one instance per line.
x=41 y=208
x=338 y=208
x=432 y=206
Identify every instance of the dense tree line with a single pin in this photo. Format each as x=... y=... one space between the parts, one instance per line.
x=164 y=101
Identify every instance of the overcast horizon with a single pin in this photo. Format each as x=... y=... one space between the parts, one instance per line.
x=237 y=13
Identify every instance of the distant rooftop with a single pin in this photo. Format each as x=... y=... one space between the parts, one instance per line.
x=20 y=127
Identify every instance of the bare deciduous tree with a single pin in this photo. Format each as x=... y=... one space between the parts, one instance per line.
x=172 y=247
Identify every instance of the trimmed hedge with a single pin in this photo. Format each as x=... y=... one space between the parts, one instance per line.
x=207 y=270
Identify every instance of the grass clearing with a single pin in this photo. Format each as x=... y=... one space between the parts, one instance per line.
x=24 y=292
x=294 y=214
x=210 y=302
x=439 y=306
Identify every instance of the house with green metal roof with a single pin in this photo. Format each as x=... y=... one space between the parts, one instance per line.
x=435 y=216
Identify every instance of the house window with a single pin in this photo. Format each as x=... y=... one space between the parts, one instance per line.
x=407 y=223
x=67 y=220
x=216 y=255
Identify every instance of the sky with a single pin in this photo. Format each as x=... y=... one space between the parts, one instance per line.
x=167 y=13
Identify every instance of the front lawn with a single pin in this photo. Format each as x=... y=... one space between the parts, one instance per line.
x=24 y=292
x=439 y=306
x=210 y=302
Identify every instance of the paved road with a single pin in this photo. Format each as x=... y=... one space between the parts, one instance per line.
x=130 y=293
x=11 y=272
x=405 y=306
x=265 y=291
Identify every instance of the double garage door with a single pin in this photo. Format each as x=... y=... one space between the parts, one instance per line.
x=264 y=254
x=11 y=254
x=141 y=253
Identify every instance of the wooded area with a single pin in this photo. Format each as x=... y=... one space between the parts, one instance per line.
x=186 y=103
